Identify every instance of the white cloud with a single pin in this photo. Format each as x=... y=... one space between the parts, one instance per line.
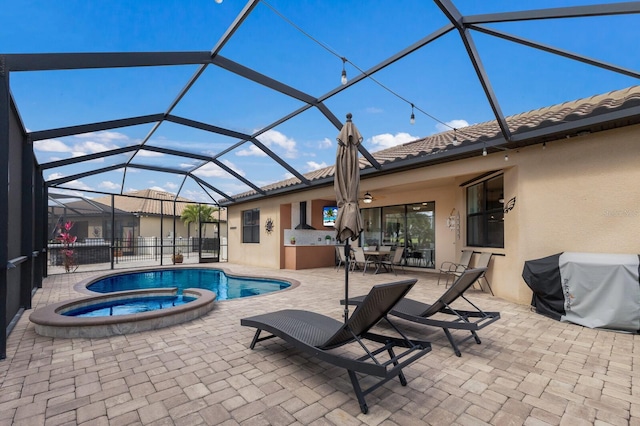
x=171 y=185
x=325 y=143
x=273 y=138
x=453 y=124
x=54 y=176
x=51 y=145
x=145 y=153
x=109 y=185
x=312 y=165
x=374 y=110
x=158 y=188
x=92 y=147
x=200 y=196
x=77 y=184
x=100 y=142
x=252 y=151
x=103 y=137
x=387 y=140
x=212 y=170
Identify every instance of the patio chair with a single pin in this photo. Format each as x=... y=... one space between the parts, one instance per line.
x=342 y=259
x=317 y=334
x=385 y=249
x=359 y=259
x=424 y=313
x=454 y=270
x=483 y=262
x=395 y=261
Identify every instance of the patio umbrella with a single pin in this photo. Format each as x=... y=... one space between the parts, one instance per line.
x=346 y=182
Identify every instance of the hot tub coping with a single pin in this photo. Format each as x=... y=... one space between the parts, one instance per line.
x=49 y=320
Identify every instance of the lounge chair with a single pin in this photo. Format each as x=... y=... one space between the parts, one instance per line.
x=453 y=269
x=424 y=313
x=317 y=334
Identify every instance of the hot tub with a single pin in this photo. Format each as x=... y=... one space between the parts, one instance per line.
x=51 y=320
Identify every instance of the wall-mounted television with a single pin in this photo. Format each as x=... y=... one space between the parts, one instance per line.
x=329 y=214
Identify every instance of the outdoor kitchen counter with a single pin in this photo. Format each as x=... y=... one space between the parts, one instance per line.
x=309 y=256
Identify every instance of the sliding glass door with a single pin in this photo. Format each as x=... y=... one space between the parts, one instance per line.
x=409 y=227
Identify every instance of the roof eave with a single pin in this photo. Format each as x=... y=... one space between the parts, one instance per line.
x=591 y=124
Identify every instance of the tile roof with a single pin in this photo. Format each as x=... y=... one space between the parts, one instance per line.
x=148 y=201
x=519 y=125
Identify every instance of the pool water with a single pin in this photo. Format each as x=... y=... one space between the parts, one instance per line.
x=214 y=280
x=129 y=306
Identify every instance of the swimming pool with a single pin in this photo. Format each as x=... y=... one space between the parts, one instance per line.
x=225 y=286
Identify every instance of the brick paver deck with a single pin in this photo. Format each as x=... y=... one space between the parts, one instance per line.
x=529 y=369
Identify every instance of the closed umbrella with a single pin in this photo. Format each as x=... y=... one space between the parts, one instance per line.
x=346 y=182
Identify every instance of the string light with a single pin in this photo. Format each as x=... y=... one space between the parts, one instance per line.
x=412 y=120
x=506 y=157
x=455 y=137
x=484 y=150
x=343 y=78
x=544 y=145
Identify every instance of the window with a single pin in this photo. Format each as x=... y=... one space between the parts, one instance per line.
x=251 y=226
x=485 y=214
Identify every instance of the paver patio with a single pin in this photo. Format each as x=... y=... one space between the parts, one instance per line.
x=528 y=370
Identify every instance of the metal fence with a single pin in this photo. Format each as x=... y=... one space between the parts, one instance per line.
x=96 y=253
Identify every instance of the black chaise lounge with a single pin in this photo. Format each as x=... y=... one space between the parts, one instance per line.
x=423 y=313
x=317 y=334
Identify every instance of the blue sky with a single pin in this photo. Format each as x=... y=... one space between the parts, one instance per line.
x=438 y=79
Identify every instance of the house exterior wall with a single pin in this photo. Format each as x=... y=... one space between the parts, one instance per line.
x=268 y=252
x=150 y=227
x=579 y=194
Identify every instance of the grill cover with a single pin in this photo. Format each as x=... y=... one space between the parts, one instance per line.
x=591 y=289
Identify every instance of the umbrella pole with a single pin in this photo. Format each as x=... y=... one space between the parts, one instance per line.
x=347 y=265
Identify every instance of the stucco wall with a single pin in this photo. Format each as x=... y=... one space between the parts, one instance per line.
x=581 y=195
x=269 y=251
x=150 y=227
x=578 y=194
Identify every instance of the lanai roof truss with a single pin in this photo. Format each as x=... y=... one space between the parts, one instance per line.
x=465 y=25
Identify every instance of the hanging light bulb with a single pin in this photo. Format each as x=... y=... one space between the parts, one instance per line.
x=544 y=145
x=484 y=151
x=455 y=137
x=412 y=120
x=343 y=78
x=506 y=157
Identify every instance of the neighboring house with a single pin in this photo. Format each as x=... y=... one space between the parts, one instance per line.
x=91 y=219
x=140 y=219
x=556 y=191
x=146 y=213
x=155 y=211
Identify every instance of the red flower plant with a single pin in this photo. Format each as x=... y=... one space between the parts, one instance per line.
x=67 y=239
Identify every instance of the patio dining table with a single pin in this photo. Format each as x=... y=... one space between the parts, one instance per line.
x=377 y=257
